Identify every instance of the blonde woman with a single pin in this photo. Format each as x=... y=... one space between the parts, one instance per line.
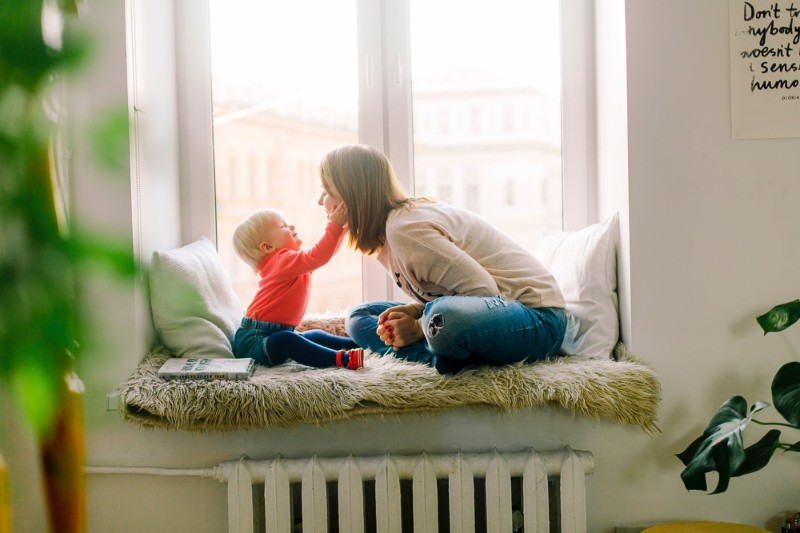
x=477 y=297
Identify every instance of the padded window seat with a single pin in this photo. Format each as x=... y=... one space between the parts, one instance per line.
x=196 y=313
x=622 y=389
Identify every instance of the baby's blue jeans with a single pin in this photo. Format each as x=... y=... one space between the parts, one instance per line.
x=465 y=330
x=271 y=344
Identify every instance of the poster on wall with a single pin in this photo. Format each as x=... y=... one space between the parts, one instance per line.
x=765 y=68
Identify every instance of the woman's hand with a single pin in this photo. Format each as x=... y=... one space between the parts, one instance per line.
x=399 y=326
x=339 y=215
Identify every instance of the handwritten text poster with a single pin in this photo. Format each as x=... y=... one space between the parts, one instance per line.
x=765 y=68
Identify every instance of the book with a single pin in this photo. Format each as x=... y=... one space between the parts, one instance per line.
x=206 y=369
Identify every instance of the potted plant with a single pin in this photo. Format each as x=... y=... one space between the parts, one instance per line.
x=721 y=446
x=42 y=325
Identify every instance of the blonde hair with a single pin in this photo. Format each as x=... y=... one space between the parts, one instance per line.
x=366 y=181
x=249 y=234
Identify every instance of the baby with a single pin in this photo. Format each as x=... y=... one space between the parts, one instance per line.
x=270 y=245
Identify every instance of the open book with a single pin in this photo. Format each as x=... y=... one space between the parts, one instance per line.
x=206 y=369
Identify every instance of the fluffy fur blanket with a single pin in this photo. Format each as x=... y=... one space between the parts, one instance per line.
x=624 y=390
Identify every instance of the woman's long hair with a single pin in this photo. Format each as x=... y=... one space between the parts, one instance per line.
x=366 y=181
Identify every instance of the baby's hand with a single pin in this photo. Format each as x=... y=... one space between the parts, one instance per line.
x=339 y=215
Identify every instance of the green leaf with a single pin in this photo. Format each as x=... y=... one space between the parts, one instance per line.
x=688 y=454
x=723 y=457
x=35 y=387
x=786 y=392
x=758 y=455
x=721 y=447
x=24 y=57
x=694 y=479
x=780 y=317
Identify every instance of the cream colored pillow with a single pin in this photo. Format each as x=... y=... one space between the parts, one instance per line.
x=584 y=264
x=195 y=310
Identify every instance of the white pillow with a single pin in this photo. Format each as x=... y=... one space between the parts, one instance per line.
x=195 y=310
x=585 y=266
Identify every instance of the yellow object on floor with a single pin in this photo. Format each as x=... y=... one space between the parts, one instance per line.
x=703 y=527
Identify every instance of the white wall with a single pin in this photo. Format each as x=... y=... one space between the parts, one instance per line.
x=710 y=225
x=713 y=243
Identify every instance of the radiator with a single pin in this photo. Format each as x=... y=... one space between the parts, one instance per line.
x=527 y=491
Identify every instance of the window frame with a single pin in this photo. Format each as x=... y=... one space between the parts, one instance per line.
x=384 y=76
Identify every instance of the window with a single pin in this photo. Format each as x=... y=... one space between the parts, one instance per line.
x=473 y=118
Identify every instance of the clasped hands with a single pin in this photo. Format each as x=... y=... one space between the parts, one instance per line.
x=399 y=326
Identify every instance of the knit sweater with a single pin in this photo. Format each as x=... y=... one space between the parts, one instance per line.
x=285 y=279
x=435 y=249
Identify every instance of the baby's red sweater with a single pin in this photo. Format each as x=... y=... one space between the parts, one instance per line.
x=285 y=279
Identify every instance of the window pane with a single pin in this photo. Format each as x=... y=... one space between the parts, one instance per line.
x=487 y=110
x=285 y=89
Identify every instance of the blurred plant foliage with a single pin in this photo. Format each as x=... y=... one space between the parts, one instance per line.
x=721 y=446
x=42 y=323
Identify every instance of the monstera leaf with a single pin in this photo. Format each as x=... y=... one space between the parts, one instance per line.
x=786 y=392
x=780 y=317
x=721 y=447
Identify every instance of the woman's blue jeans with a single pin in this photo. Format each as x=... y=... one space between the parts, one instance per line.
x=464 y=330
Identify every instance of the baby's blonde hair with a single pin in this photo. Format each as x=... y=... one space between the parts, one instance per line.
x=249 y=234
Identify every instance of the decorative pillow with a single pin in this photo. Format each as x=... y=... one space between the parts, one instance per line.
x=195 y=310
x=584 y=264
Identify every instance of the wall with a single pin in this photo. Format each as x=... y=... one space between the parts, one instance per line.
x=712 y=245
x=706 y=222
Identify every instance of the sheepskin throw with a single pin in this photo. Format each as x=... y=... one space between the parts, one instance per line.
x=624 y=390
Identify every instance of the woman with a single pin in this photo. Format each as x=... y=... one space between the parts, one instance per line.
x=477 y=296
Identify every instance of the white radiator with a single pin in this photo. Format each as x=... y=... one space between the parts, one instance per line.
x=528 y=491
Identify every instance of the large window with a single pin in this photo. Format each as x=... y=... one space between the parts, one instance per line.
x=467 y=107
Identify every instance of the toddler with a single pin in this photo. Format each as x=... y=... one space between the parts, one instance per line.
x=270 y=245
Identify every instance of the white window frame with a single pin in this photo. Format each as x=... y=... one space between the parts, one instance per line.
x=578 y=115
x=384 y=76
x=195 y=120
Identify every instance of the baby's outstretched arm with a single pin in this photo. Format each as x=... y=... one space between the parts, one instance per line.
x=295 y=262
